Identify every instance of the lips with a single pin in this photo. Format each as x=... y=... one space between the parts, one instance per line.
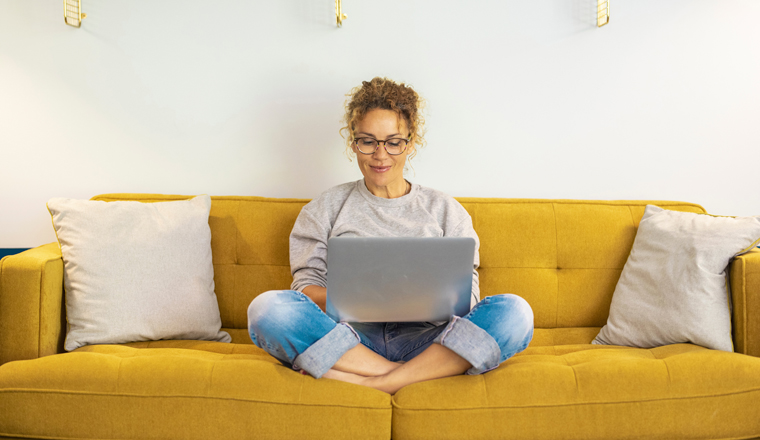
x=380 y=169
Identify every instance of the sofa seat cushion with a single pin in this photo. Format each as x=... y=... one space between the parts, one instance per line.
x=113 y=391
x=585 y=392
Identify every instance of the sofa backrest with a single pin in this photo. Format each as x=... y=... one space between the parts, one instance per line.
x=563 y=256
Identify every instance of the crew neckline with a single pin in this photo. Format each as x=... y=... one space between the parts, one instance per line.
x=387 y=203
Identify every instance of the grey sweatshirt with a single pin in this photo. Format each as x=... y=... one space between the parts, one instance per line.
x=350 y=209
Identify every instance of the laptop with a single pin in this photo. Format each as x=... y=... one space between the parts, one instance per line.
x=399 y=279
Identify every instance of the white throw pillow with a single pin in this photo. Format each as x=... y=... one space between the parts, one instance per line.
x=137 y=271
x=673 y=288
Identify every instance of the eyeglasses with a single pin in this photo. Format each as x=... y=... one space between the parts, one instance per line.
x=368 y=145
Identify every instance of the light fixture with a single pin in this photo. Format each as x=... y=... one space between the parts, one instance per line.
x=339 y=15
x=72 y=12
x=602 y=12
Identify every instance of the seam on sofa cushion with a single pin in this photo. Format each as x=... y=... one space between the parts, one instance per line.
x=633 y=221
x=39 y=309
x=180 y=396
x=556 y=264
x=234 y=272
x=745 y=318
x=210 y=382
x=575 y=376
x=237 y=233
x=667 y=370
x=118 y=373
x=481 y=408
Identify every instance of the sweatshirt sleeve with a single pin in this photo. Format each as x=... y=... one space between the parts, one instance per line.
x=308 y=251
x=465 y=229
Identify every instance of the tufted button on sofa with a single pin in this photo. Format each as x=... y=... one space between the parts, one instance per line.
x=563 y=256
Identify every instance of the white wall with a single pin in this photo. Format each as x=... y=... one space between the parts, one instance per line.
x=527 y=99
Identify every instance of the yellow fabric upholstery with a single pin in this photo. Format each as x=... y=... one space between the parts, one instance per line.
x=563 y=256
x=32 y=322
x=745 y=295
x=112 y=391
x=590 y=392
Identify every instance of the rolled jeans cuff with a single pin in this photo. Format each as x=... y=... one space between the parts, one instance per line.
x=324 y=353
x=472 y=343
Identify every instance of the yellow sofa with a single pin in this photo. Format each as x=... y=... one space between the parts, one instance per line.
x=563 y=256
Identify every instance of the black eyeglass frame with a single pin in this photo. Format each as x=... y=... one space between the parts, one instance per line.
x=385 y=145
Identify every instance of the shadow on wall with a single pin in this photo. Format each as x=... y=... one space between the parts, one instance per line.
x=584 y=11
x=320 y=14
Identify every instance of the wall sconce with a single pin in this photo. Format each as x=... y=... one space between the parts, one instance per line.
x=602 y=12
x=339 y=15
x=72 y=12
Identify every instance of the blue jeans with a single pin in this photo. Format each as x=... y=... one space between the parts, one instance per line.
x=292 y=328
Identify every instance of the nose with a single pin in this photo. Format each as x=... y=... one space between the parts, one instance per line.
x=380 y=152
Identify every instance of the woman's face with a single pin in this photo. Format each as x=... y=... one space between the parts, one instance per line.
x=383 y=173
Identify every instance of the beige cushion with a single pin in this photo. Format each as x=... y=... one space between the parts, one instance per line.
x=673 y=286
x=137 y=271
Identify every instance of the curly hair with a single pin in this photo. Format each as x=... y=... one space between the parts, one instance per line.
x=386 y=94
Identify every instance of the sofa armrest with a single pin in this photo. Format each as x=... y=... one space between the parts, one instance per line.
x=745 y=297
x=32 y=311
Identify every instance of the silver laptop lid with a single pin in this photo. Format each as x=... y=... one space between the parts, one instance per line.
x=399 y=279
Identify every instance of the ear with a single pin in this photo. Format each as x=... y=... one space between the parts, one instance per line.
x=410 y=149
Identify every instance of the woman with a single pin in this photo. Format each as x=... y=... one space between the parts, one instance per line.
x=384 y=129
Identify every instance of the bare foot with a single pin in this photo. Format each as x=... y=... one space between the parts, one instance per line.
x=435 y=362
x=364 y=362
x=376 y=382
x=379 y=370
x=345 y=377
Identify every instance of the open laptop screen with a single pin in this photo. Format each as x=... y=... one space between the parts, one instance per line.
x=399 y=279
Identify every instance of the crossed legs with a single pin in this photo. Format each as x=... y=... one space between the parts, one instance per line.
x=435 y=362
x=292 y=328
